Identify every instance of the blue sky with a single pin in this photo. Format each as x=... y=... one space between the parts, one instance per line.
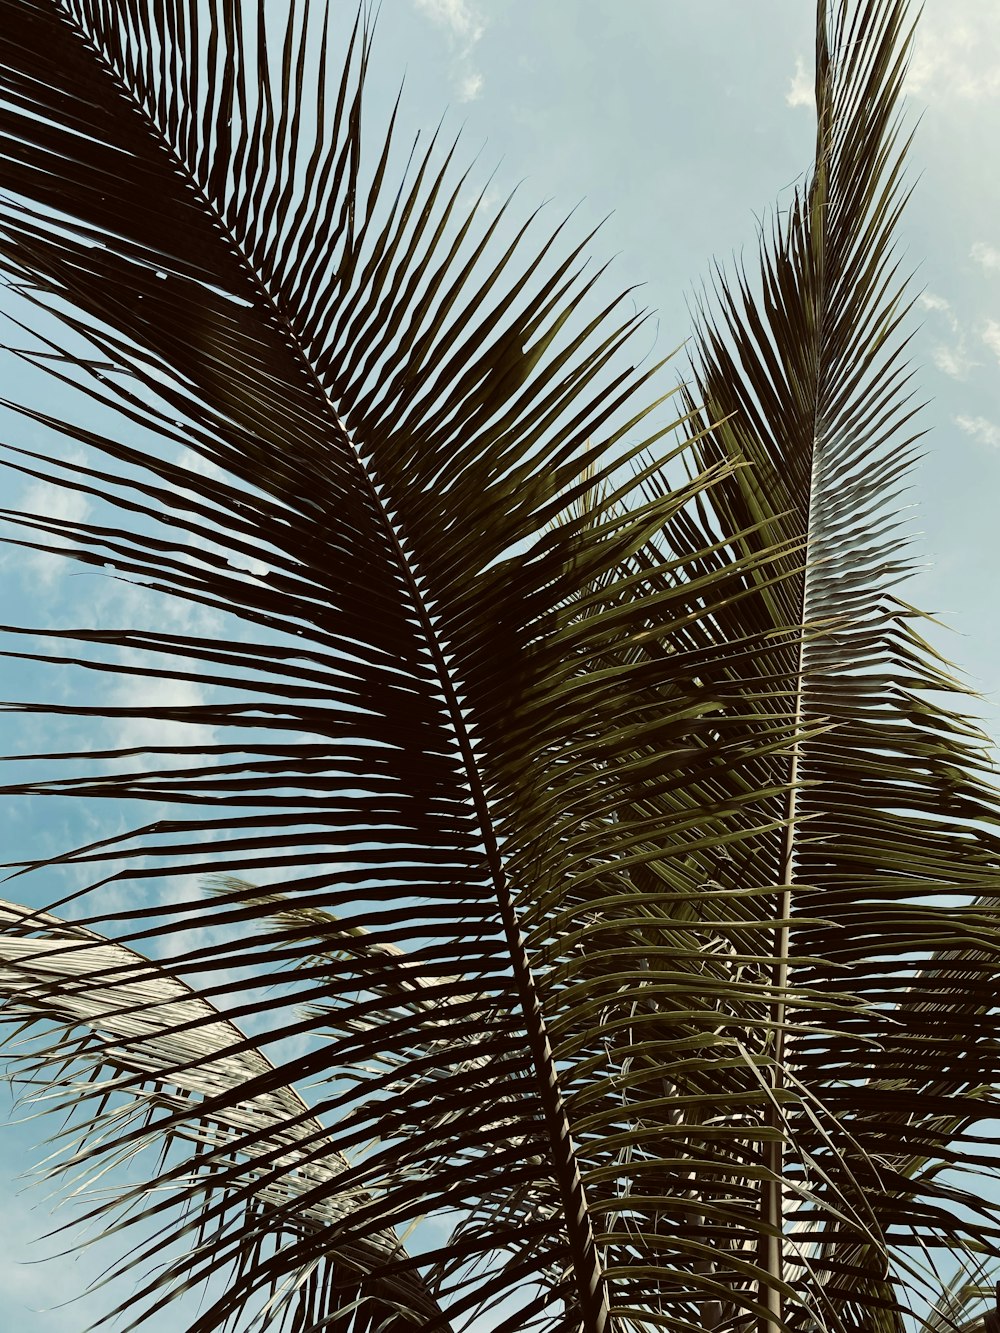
x=682 y=124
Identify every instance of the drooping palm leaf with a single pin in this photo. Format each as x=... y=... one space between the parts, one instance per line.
x=155 y=1037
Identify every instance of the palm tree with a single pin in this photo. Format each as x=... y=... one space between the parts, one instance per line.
x=606 y=882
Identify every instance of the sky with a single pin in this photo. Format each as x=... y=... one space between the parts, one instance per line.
x=679 y=125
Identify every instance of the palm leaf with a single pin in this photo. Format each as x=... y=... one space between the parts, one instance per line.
x=177 y=1056
x=890 y=821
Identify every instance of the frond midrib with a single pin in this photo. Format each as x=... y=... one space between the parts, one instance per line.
x=771 y=1243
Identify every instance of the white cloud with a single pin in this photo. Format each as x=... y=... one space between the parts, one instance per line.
x=245 y=564
x=485 y=201
x=952 y=361
x=464 y=28
x=193 y=461
x=470 y=87
x=956 y=54
x=456 y=15
x=802 y=89
x=148 y=694
x=49 y=500
x=134 y=604
x=991 y=337
x=986 y=256
x=950 y=358
x=980 y=429
x=930 y=301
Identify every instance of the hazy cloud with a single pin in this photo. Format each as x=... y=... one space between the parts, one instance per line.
x=931 y=301
x=455 y=15
x=49 y=500
x=464 y=28
x=470 y=87
x=991 y=337
x=802 y=89
x=950 y=358
x=149 y=694
x=952 y=361
x=986 y=256
x=980 y=429
x=118 y=601
x=956 y=54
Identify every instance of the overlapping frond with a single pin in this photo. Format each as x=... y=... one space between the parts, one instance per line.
x=123 y=1023
x=890 y=838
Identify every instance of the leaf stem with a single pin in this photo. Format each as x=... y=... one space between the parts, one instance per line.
x=771 y=1245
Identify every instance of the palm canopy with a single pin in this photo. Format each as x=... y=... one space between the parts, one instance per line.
x=635 y=890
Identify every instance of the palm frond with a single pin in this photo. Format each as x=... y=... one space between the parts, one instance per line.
x=123 y=1025
x=889 y=825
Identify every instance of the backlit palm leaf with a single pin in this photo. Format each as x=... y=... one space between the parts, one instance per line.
x=891 y=819
x=155 y=1041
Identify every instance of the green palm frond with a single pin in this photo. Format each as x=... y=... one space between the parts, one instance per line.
x=890 y=821
x=607 y=898
x=123 y=1024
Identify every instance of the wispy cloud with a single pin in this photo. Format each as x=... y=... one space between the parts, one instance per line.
x=802 y=89
x=149 y=695
x=980 y=429
x=956 y=55
x=987 y=256
x=991 y=337
x=931 y=301
x=953 y=361
x=456 y=15
x=49 y=500
x=950 y=358
x=470 y=87
x=464 y=27
x=118 y=601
